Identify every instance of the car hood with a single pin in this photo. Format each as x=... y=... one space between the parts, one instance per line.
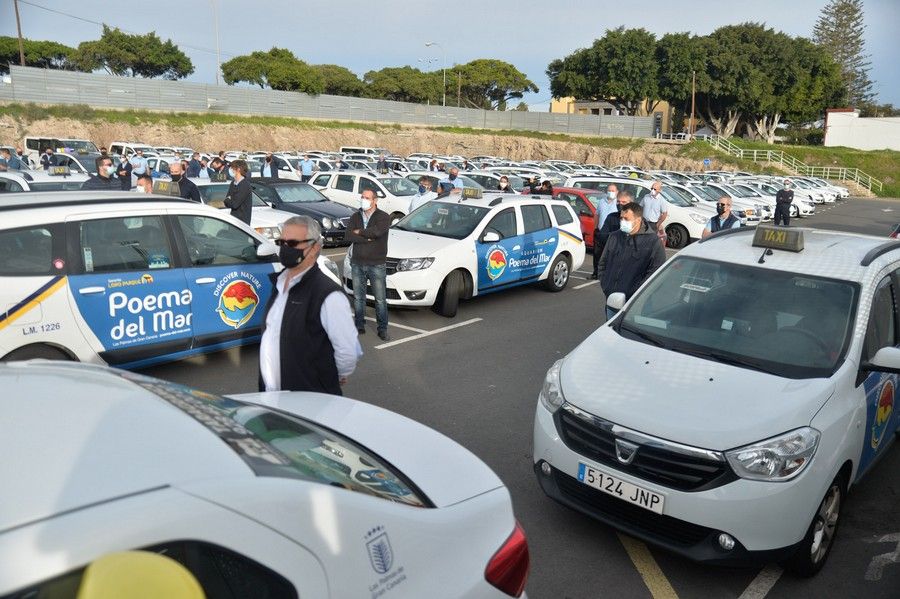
x=267 y=217
x=406 y=244
x=328 y=208
x=444 y=470
x=683 y=398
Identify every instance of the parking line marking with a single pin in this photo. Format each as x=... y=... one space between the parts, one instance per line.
x=583 y=285
x=585 y=272
x=582 y=278
x=763 y=583
x=657 y=583
x=399 y=326
x=427 y=333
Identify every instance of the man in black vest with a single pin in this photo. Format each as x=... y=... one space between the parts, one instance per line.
x=783 y=199
x=724 y=219
x=309 y=341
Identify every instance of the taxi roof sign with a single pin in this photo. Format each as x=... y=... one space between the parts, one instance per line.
x=166 y=188
x=472 y=193
x=778 y=238
x=59 y=171
x=218 y=177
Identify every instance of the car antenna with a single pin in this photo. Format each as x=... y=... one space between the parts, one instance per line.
x=766 y=252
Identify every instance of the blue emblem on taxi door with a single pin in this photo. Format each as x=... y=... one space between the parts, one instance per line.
x=381 y=555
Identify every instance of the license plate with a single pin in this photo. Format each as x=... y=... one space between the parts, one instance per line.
x=617 y=487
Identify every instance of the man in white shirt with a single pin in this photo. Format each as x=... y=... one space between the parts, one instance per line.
x=426 y=195
x=309 y=340
x=656 y=209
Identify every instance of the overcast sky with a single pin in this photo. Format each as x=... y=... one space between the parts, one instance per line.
x=371 y=34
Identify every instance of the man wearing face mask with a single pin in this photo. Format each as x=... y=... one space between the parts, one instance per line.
x=239 y=196
x=656 y=209
x=504 y=186
x=368 y=233
x=105 y=178
x=783 y=199
x=308 y=340
x=425 y=194
x=632 y=254
x=123 y=172
x=268 y=168
x=186 y=187
x=724 y=220
x=144 y=184
x=454 y=178
x=605 y=207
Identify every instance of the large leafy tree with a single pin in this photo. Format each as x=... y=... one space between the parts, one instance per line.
x=488 y=83
x=404 y=84
x=278 y=69
x=122 y=53
x=680 y=60
x=840 y=30
x=619 y=68
x=38 y=53
x=339 y=81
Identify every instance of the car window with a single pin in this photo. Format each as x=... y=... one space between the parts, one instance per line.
x=504 y=223
x=124 y=243
x=344 y=183
x=882 y=330
x=563 y=216
x=282 y=164
x=10 y=186
x=294 y=193
x=213 y=241
x=322 y=180
x=214 y=195
x=367 y=184
x=27 y=251
x=535 y=218
x=398 y=186
x=575 y=202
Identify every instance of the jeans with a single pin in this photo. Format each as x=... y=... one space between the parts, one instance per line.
x=377 y=277
x=305 y=178
x=782 y=213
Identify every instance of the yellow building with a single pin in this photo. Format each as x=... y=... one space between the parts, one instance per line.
x=572 y=106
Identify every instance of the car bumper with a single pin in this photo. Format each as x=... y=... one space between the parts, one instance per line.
x=335 y=237
x=691 y=521
x=412 y=289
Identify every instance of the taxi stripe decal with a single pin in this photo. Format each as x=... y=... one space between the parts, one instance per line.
x=31 y=301
x=570 y=236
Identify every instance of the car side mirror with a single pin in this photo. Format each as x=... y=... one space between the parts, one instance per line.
x=490 y=237
x=266 y=249
x=616 y=301
x=886 y=359
x=380 y=194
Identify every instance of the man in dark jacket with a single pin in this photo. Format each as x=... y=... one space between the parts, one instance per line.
x=123 y=172
x=611 y=224
x=632 y=254
x=240 y=195
x=308 y=340
x=783 y=199
x=368 y=233
x=193 y=169
x=105 y=178
x=269 y=167
x=188 y=190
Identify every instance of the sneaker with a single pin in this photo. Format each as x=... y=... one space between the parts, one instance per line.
x=383 y=335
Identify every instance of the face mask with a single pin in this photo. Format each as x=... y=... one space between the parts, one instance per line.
x=269 y=159
x=290 y=257
x=140 y=189
x=787 y=186
x=110 y=171
x=611 y=195
x=233 y=174
x=365 y=204
x=654 y=193
x=421 y=189
x=720 y=209
x=625 y=226
x=452 y=177
x=176 y=178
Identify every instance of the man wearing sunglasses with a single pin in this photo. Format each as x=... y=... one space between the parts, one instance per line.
x=309 y=341
x=724 y=219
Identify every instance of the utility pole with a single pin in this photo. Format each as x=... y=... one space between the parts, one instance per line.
x=430 y=44
x=458 y=87
x=693 y=94
x=19 y=28
x=218 y=54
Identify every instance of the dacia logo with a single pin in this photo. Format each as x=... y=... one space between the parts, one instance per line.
x=625 y=451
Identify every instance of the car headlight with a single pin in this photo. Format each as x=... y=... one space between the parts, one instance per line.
x=777 y=459
x=698 y=218
x=327 y=223
x=414 y=264
x=269 y=232
x=551 y=393
x=748 y=212
x=331 y=266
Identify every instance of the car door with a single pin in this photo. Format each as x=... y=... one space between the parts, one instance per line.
x=539 y=241
x=342 y=190
x=881 y=388
x=494 y=257
x=229 y=284
x=128 y=287
x=321 y=182
x=585 y=211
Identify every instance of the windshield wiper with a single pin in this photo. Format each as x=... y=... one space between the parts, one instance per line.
x=727 y=359
x=645 y=336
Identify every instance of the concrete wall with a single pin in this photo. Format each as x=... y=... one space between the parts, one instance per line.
x=873 y=133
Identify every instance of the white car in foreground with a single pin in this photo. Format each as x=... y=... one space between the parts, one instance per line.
x=264 y=219
x=747 y=386
x=261 y=495
x=452 y=249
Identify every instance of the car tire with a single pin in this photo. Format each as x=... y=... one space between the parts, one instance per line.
x=447 y=301
x=558 y=275
x=36 y=351
x=816 y=545
x=678 y=236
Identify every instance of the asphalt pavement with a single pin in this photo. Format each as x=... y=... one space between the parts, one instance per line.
x=476 y=377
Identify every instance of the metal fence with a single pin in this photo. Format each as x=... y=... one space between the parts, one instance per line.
x=44 y=86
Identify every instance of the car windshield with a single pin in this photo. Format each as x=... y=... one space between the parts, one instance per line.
x=214 y=195
x=399 y=186
x=277 y=444
x=444 y=219
x=675 y=199
x=56 y=186
x=710 y=193
x=594 y=198
x=685 y=196
x=298 y=193
x=787 y=324
x=80 y=146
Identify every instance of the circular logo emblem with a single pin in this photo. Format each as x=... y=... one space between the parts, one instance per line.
x=237 y=303
x=883 y=410
x=496 y=263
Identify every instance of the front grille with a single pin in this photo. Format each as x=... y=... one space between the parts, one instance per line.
x=342 y=222
x=391 y=265
x=389 y=293
x=666 y=528
x=594 y=438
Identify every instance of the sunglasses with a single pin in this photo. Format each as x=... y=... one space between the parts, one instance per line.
x=724 y=205
x=292 y=242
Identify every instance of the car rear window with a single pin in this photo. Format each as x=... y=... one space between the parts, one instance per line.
x=26 y=252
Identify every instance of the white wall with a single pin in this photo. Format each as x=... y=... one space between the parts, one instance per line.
x=875 y=133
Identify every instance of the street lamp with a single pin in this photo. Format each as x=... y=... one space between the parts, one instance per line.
x=430 y=44
x=215 y=12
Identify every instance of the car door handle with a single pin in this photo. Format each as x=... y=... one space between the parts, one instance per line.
x=91 y=290
x=204 y=280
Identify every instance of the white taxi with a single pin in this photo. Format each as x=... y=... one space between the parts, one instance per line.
x=127 y=279
x=747 y=386
x=452 y=249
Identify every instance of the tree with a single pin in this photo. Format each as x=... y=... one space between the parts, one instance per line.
x=840 y=30
x=490 y=84
x=680 y=57
x=878 y=110
x=38 y=53
x=339 y=81
x=521 y=107
x=404 y=84
x=619 y=68
x=278 y=69
x=121 y=53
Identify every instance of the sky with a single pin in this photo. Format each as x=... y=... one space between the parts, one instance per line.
x=372 y=34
